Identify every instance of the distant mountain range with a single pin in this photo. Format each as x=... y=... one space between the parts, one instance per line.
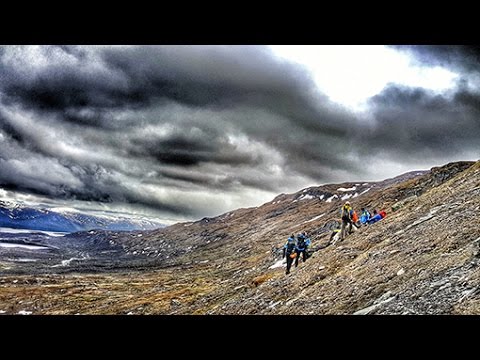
x=17 y=216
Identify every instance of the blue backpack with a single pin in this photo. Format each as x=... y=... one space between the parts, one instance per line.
x=290 y=245
x=301 y=243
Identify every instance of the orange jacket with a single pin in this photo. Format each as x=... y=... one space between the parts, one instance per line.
x=355 y=216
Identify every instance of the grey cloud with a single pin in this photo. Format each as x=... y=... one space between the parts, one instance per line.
x=194 y=131
x=191 y=146
x=458 y=57
x=414 y=124
x=65 y=83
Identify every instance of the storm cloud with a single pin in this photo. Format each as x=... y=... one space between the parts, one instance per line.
x=459 y=57
x=415 y=124
x=183 y=132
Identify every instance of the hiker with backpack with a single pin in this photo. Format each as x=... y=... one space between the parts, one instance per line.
x=301 y=248
x=289 y=252
x=377 y=216
x=364 y=216
x=347 y=214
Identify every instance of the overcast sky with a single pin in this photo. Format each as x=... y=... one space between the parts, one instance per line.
x=183 y=132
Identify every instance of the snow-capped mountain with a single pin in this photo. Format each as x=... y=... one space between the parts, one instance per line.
x=18 y=216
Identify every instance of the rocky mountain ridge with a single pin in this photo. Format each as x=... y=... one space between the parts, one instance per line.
x=421 y=259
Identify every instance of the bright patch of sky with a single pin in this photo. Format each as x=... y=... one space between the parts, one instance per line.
x=350 y=74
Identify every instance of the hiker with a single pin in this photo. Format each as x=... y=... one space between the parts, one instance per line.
x=347 y=213
x=364 y=216
x=301 y=248
x=289 y=252
x=376 y=217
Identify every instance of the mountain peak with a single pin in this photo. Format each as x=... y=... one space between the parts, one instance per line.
x=64 y=219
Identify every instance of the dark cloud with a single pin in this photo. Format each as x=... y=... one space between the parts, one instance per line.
x=458 y=57
x=191 y=147
x=237 y=71
x=11 y=132
x=13 y=185
x=64 y=80
x=193 y=131
x=120 y=77
x=415 y=123
x=469 y=100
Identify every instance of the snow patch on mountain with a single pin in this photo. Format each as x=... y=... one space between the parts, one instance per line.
x=315 y=218
x=364 y=191
x=349 y=189
x=15 y=245
x=29 y=231
x=279 y=263
x=331 y=198
x=306 y=197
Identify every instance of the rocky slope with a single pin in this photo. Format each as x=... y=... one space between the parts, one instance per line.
x=421 y=259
